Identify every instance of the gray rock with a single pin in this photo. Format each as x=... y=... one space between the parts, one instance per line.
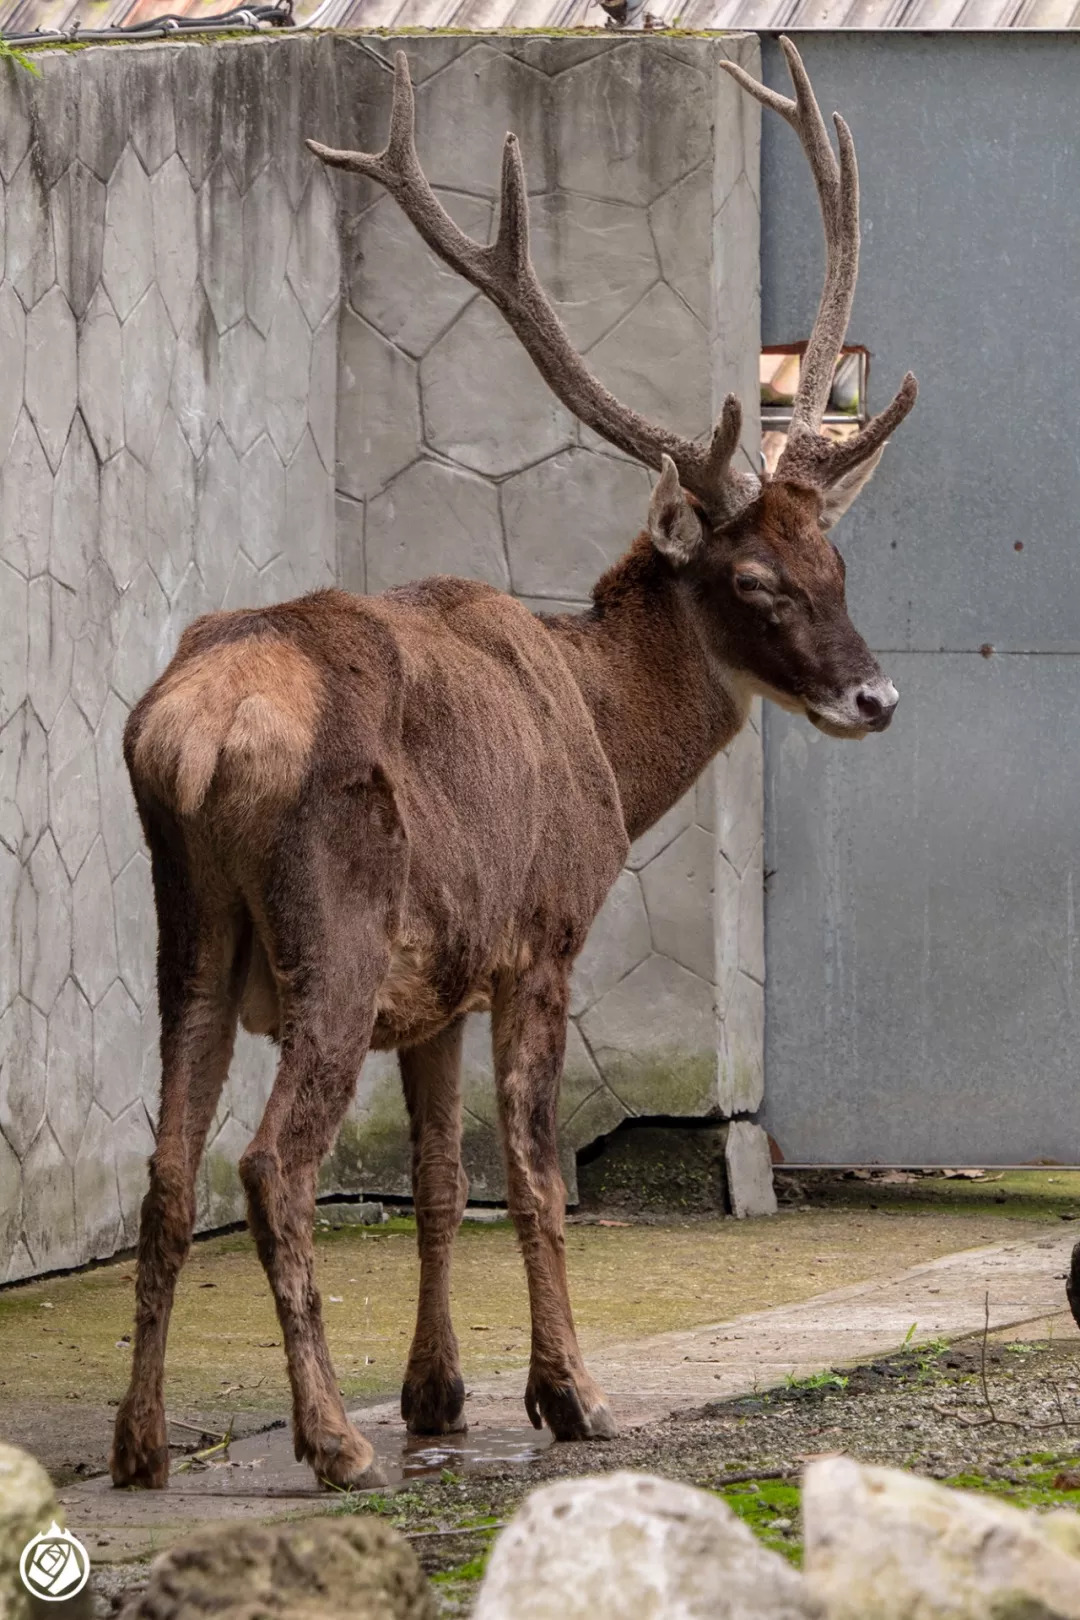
x=318 y=1569
x=887 y=1544
x=27 y=1506
x=627 y=1546
x=749 y=1168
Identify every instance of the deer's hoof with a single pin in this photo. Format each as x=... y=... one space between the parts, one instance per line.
x=140 y=1451
x=434 y=1405
x=569 y=1412
x=345 y=1461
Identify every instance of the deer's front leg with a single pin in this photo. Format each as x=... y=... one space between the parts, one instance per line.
x=433 y=1394
x=529 y=1029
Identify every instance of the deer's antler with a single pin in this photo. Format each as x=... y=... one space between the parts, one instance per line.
x=807 y=457
x=503 y=271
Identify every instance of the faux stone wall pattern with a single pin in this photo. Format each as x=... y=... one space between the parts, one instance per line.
x=181 y=378
x=167 y=310
x=454 y=457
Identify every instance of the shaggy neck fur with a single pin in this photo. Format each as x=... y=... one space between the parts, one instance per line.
x=660 y=703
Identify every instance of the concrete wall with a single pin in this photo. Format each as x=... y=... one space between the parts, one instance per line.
x=453 y=457
x=179 y=363
x=921 y=920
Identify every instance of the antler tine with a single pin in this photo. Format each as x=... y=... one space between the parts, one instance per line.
x=837 y=185
x=836 y=180
x=504 y=272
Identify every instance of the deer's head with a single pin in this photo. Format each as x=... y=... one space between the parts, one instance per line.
x=766 y=589
x=752 y=554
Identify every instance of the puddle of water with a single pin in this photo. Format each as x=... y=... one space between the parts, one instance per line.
x=263 y=1465
x=466 y=1453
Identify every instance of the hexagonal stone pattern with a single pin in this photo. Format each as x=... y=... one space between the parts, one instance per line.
x=485 y=404
x=185 y=395
x=435 y=520
x=135 y=458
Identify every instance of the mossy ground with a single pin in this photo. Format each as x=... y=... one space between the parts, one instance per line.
x=911 y=1409
x=65 y=1338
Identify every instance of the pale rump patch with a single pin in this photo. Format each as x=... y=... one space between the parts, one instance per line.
x=249 y=705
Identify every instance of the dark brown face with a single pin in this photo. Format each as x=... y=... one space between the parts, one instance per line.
x=770 y=591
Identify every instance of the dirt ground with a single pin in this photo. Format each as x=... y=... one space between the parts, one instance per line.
x=65 y=1349
x=924 y=1410
x=65 y=1341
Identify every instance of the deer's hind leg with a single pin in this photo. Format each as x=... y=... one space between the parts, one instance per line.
x=529 y=1028
x=204 y=936
x=433 y=1394
x=339 y=872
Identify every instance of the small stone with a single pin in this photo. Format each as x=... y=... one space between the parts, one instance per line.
x=631 y=1545
x=316 y=1569
x=886 y=1543
x=749 y=1168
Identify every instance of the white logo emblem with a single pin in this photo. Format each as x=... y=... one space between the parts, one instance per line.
x=55 y=1565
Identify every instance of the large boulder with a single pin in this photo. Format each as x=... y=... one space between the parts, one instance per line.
x=316 y=1569
x=892 y=1546
x=630 y=1546
x=27 y=1507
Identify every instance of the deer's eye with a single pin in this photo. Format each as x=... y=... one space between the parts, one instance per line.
x=749 y=582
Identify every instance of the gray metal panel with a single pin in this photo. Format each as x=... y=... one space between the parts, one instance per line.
x=923 y=961
x=921 y=938
x=970 y=166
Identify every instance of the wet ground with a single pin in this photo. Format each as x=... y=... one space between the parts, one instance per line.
x=672 y=1314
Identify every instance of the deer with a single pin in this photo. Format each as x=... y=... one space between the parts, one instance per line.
x=369 y=816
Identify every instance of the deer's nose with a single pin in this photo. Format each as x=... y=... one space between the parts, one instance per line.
x=876 y=701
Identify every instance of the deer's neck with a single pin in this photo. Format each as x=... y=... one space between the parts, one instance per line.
x=661 y=704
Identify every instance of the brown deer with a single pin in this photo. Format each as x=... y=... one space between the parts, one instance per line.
x=369 y=816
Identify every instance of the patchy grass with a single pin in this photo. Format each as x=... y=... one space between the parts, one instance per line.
x=68 y=1338
x=772 y=1510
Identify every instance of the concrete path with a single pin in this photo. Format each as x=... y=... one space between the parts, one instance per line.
x=645 y=1379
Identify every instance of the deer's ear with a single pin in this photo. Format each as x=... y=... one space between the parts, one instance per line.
x=674 y=526
x=844 y=492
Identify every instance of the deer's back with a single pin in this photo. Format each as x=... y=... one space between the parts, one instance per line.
x=461 y=701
